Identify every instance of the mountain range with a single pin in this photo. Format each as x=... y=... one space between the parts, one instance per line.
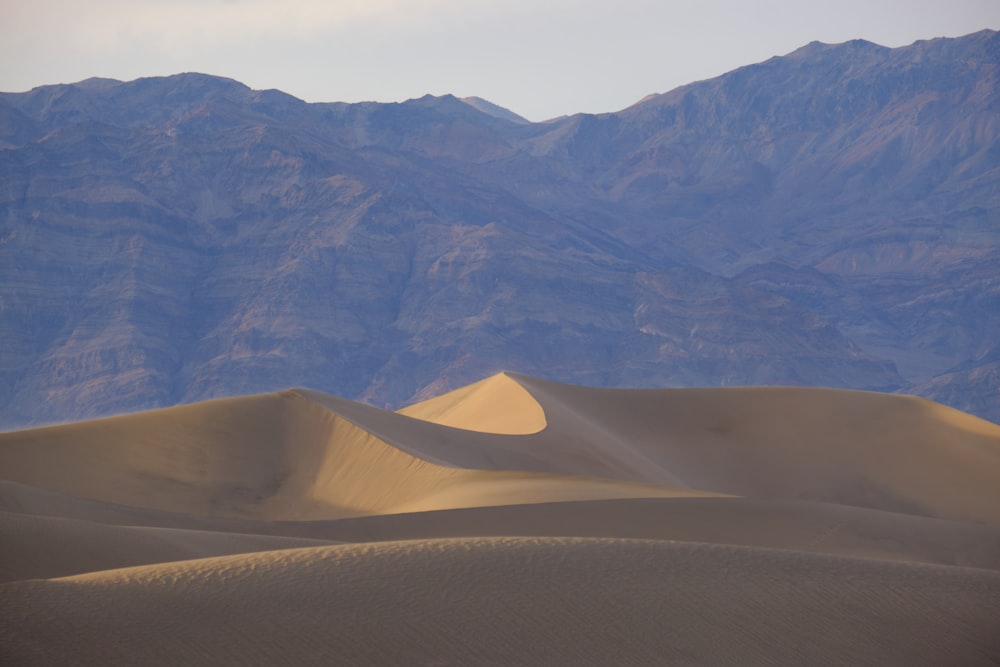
x=830 y=218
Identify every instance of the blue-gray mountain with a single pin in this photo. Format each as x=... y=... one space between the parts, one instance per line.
x=830 y=217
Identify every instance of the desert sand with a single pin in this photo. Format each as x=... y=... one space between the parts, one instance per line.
x=512 y=522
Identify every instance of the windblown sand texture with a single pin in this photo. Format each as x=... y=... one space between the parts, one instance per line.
x=512 y=522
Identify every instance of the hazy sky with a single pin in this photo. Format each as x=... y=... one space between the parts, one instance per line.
x=540 y=58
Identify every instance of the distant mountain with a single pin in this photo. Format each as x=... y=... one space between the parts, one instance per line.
x=830 y=217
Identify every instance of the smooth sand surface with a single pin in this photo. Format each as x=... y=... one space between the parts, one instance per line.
x=514 y=521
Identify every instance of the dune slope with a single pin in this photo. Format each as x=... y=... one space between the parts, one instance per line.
x=511 y=601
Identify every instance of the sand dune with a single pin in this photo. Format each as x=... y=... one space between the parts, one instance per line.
x=514 y=521
x=511 y=601
x=278 y=456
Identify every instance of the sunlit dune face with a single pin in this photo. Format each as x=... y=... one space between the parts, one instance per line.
x=497 y=404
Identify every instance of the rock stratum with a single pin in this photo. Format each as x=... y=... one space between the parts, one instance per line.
x=513 y=521
x=825 y=218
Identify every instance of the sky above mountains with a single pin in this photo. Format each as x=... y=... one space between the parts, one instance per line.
x=540 y=58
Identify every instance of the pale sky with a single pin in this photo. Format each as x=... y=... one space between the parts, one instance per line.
x=539 y=58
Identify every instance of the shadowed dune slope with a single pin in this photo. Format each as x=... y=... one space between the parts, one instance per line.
x=884 y=451
x=540 y=601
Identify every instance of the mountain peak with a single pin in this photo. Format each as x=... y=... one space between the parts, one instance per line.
x=822 y=49
x=98 y=83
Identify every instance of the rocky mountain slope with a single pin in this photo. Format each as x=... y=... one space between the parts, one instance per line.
x=830 y=217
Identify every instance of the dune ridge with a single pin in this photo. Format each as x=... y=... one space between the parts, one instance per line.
x=875 y=517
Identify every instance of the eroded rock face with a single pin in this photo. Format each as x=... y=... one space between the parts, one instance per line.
x=825 y=218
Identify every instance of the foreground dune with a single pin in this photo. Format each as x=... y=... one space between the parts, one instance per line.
x=511 y=601
x=515 y=521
